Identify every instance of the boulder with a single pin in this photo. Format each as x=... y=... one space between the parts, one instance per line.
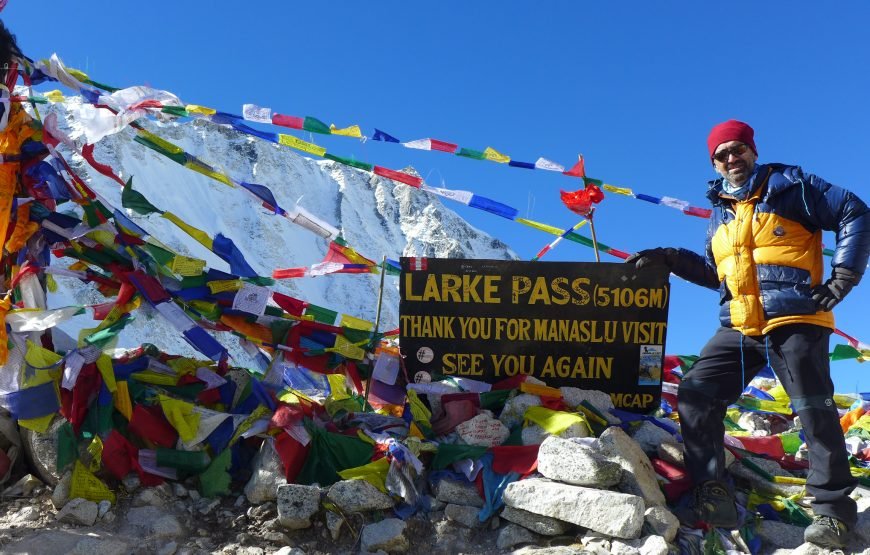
x=535 y=435
x=387 y=535
x=297 y=504
x=483 y=430
x=573 y=396
x=650 y=437
x=572 y=463
x=79 y=511
x=514 y=534
x=639 y=477
x=463 y=515
x=458 y=493
x=780 y=534
x=541 y=524
x=662 y=522
x=355 y=496
x=615 y=514
x=514 y=410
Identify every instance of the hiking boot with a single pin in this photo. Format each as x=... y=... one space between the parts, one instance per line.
x=826 y=531
x=714 y=505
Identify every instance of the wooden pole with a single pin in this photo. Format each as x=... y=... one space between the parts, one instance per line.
x=594 y=240
x=377 y=325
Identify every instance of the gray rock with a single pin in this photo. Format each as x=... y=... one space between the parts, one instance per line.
x=60 y=495
x=179 y=490
x=780 y=534
x=650 y=437
x=572 y=463
x=103 y=508
x=535 y=435
x=464 y=515
x=514 y=534
x=574 y=396
x=661 y=522
x=287 y=550
x=196 y=496
x=354 y=496
x=153 y=521
x=168 y=549
x=615 y=514
x=626 y=547
x=27 y=513
x=334 y=522
x=541 y=524
x=458 y=493
x=754 y=422
x=555 y=550
x=100 y=546
x=297 y=504
x=388 y=534
x=812 y=549
x=148 y=496
x=596 y=543
x=79 y=511
x=650 y=545
x=131 y=482
x=483 y=430
x=514 y=410
x=639 y=477
x=268 y=474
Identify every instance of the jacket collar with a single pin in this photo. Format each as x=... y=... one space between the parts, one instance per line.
x=779 y=177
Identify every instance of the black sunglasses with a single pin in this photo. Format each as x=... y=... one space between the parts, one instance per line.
x=736 y=150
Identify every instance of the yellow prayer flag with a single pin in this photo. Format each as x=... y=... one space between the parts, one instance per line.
x=209 y=172
x=38 y=358
x=50 y=284
x=493 y=155
x=223 y=285
x=181 y=416
x=186 y=266
x=348 y=321
x=352 y=131
x=104 y=365
x=299 y=144
x=184 y=366
x=39 y=425
x=54 y=96
x=541 y=227
x=197 y=109
x=414 y=431
x=419 y=412
x=78 y=74
x=347 y=349
x=87 y=486
x=374 y=473
x=258 y=413
x=122 y=400
x=200 y=236
x=165 y=145
x=553 y=421
x=618 y=190
x=337 y=387
x=95 y=449
x=540 y=390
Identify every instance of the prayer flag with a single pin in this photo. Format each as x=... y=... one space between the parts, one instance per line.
x=495 y=156
x=382 y=136
x=352 y=131
x=252 y=112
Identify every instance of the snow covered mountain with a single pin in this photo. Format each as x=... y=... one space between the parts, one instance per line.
x=376 y=216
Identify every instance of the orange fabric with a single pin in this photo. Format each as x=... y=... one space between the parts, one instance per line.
x=241 y=325
x=16 y=132
x=23 y=230
x=5 y=305
x=848 y=419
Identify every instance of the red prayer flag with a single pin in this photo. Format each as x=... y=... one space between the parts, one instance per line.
x=284 y=273
x=443 y=146
x=579 y=169
x=522 y=459
x=292 y=455
x=150 y=423
x=289 y=304
x=292 y=122
x=399 y=176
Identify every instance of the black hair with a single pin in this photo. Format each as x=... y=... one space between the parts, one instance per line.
x=8 y=46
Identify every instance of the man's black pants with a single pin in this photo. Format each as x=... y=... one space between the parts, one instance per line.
x=798 y=354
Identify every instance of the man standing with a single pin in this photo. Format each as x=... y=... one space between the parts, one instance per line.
x=764 y=255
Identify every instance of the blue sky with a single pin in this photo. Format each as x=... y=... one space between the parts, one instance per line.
x=633 y=86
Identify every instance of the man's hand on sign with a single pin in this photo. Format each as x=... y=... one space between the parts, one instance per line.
x=651 y=258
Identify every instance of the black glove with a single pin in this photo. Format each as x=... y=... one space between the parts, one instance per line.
x=830 y=293
x=651 y=258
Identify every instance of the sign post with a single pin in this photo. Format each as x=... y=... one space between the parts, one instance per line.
x=588 y=325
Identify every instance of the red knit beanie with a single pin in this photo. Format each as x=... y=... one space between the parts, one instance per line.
x=731 y=130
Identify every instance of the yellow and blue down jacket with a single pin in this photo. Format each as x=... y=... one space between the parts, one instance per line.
x=764 y=253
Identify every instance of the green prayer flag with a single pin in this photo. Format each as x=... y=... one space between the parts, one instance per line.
x=160 y=255
x=136 y=201
x=67 y=447
x=495 y=399
x=448 y=454
x=178 y=157
x=331 y=453
x=320 y=314
x=179 y=111
x=215 y=480
x=108 y=333
x=349 y=162
x=844 y=352
x=186 y=461
x=315 y=126
x=469 y=153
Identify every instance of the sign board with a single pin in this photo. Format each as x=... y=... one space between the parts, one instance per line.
x=587 y=325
